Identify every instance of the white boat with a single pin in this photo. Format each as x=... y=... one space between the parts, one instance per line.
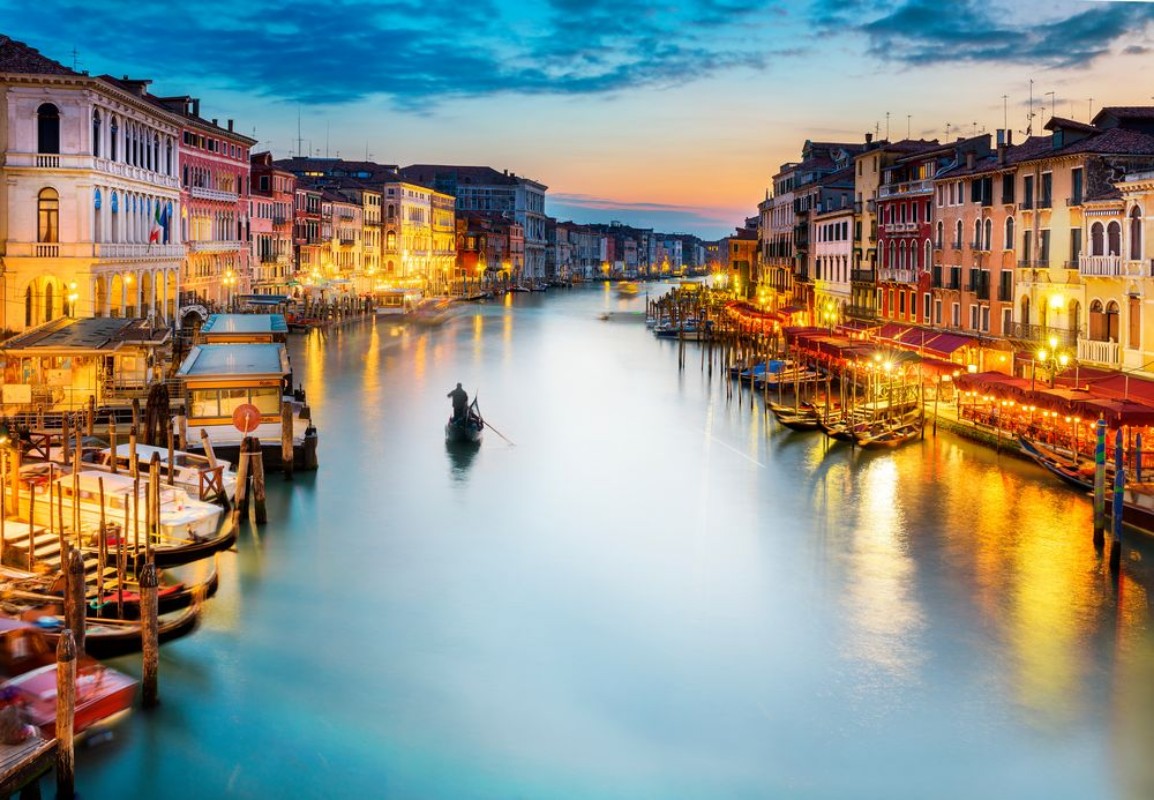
x=192 y=472
x=393 y=302
x=183 y=520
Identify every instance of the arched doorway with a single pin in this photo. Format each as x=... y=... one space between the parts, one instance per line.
x=116 y=297
x=145 y=294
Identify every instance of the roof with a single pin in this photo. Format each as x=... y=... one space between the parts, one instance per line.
x=244 y=323
x=479 y=176
x=90 y=335
x=234 y=360
x=18 y=58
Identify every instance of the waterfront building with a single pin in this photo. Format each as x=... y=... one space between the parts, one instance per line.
x=740 y=252
x=487 y=247
x=342 y=221
x=271 y=224
x=484 y=190
x=833 y=225
x=559 y=249
x=308 y=245
x=775 y=235
x=89 y=195
x=215 y=183
x=905 y=223
x=1081 y=277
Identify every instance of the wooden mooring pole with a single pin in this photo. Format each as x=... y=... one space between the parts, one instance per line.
x=65 y=715
x=240 y=507
x=150 y=644
x=1119 y=495
x=260 y=511
x=1100 y=484
x=286 y=438
x=74 y=599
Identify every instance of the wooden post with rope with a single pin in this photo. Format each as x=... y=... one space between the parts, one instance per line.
x=256 y=457
x=74 y=599
x=286 y=438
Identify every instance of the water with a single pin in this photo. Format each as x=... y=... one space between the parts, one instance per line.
x=656 y=593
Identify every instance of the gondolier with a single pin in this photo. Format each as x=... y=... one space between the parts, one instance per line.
x=460 y=402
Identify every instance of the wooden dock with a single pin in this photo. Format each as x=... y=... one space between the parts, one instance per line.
x=22 y=766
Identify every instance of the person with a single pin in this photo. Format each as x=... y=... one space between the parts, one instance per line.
x=460 y=402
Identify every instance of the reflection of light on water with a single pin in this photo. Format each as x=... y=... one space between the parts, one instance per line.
x=314 y=366
x=421 y=357
x=884 y=615
x=371 y=372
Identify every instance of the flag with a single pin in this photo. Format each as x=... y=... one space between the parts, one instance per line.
x=164 y=224
x=154 y=232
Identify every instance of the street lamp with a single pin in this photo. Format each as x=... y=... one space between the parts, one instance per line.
x=73 y=296
x=1052 y=360
x=229 y=281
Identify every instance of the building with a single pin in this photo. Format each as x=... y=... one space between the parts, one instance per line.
x=271 y=224
x=89 y=195
x=484 y=190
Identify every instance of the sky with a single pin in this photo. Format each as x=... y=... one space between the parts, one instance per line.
x=667 y=114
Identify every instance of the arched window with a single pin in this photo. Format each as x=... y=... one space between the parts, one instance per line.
x=958 y=235
x=941 y=233
x=1008 y=243
x=48 y=129
x=49 y=301
x=977 y=234
x=1114 y=239
x=113 y=135
x=1135 y=234
x=96 y=132
x=929 y=257
x=988 y=239
x=1112 y=321
x=97 y=217
x=893 y=263
x=168 y=159
x=1097 y=239
x=28 y=307
x=391 y=240
x=48 y=216
x=154 y=161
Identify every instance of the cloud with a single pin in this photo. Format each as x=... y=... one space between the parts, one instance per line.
x=414 y=54
x=708 y=223
x=923 y=32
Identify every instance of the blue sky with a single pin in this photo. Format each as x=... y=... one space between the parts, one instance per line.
x=667 y=114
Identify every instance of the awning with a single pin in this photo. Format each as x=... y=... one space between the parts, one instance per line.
x=858 y=325
x=791 y=309
x=944 y=344
x=1118 y=412
x=892 y=331
x=1123 y=386
x=996 y=383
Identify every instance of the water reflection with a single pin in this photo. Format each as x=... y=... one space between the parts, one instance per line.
x=461 y=456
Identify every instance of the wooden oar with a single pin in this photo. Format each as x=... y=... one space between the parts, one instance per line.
x=490 y=427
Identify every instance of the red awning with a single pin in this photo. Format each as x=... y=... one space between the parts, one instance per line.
x=791 y=309
x=1123 y=386
x=945 y=344
x=892 y=330
x=1119 y=412
x=997 y=383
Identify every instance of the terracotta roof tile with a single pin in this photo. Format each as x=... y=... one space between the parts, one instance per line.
x=18 y=58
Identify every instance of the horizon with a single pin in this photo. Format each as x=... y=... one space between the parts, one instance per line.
x=670 y=119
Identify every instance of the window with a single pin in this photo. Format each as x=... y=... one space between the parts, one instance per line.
x=1135 y=234
x=985 y=320
x=1076 y=187
x=973 y=318
x=113 y=134
x=941 y=234
x=1008 y=189
x=958 y=235
x=937 y=312
x=1075 y=245
x=1047 y=190
x=956 y=315
x=1028 y=191
x=1007 y=321
x=96 y=133
x=1026 y=246
x=1097 y=239
x=48 y=216
x=1044 y=247
x=48 y=129
x=1135 y=309
x=1114 y=238
x=926 y=305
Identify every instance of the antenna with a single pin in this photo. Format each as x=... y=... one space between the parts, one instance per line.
x=1005 y=112
x=907 y=126
x=300 y=141
x=326 y=138
x=1091 y=117
x=887 y=125
x=75 y=62
x=1030 y=117
x=1051 y=94
x=947 y=130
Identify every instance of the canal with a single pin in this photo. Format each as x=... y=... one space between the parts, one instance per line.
x=643 y=588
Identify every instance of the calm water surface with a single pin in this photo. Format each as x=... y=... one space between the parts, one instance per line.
x=656 y=593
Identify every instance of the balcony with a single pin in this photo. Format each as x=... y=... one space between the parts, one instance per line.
x=280 y=220
x=214 y=246
x=1026 y=206
x=1041 y=334
x=204 y=193
x=1033 y=263
x=980 y=246
x=900 y=227
x=46 y=250
x=1074 y=202
x=1045 y=202
x=861 y=312
x=120 y=251
x=1100 y=266
x=887 y=275
x=956 y=244
x=906 y=188
x=862 y=275
x=1106 y=353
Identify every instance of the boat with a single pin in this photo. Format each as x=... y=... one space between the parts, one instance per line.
x=787 y=378
x=1079 y=474
x=28 y=659
x=192 y=472
x=687 y=330
x=803 y=420
x=395 y=302
x=188 y=529
x=466 y=429
x=109 y=637
x=628 y=289
x=431 y=311
x=890 y=434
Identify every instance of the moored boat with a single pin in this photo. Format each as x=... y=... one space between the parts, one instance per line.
x=192 y=472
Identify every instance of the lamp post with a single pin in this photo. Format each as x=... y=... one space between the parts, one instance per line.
x=1052 y=360
x=229 y=281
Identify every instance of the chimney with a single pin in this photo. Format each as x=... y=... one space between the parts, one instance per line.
x=1001 y=136
x=1001 y=153
x=869 y=138
x=230 y=125
x=970 y=160
x=214 y=122
x=196 y=107
x=1009 y=137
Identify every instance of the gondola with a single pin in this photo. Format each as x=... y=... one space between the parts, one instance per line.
x=1065 y=469
x=467 y=429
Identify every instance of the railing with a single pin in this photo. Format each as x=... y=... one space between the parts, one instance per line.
x=1108 y=353
x=908 y=187
x=120 y=250
x=862 y=275
x=205 y=193
x=1103 y=266
x=1074 y=201
x=900 y=227
x=897 y=275
x=46 y=250
x=982 y=290
x=280 y=220
x=1026 y=206
x=956 y=244
x=861 y=312
x=1033 y=263
x=1042 y=333
x=48 y=162
x=122 y=170
x=1045 y=202
x=214 y=246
